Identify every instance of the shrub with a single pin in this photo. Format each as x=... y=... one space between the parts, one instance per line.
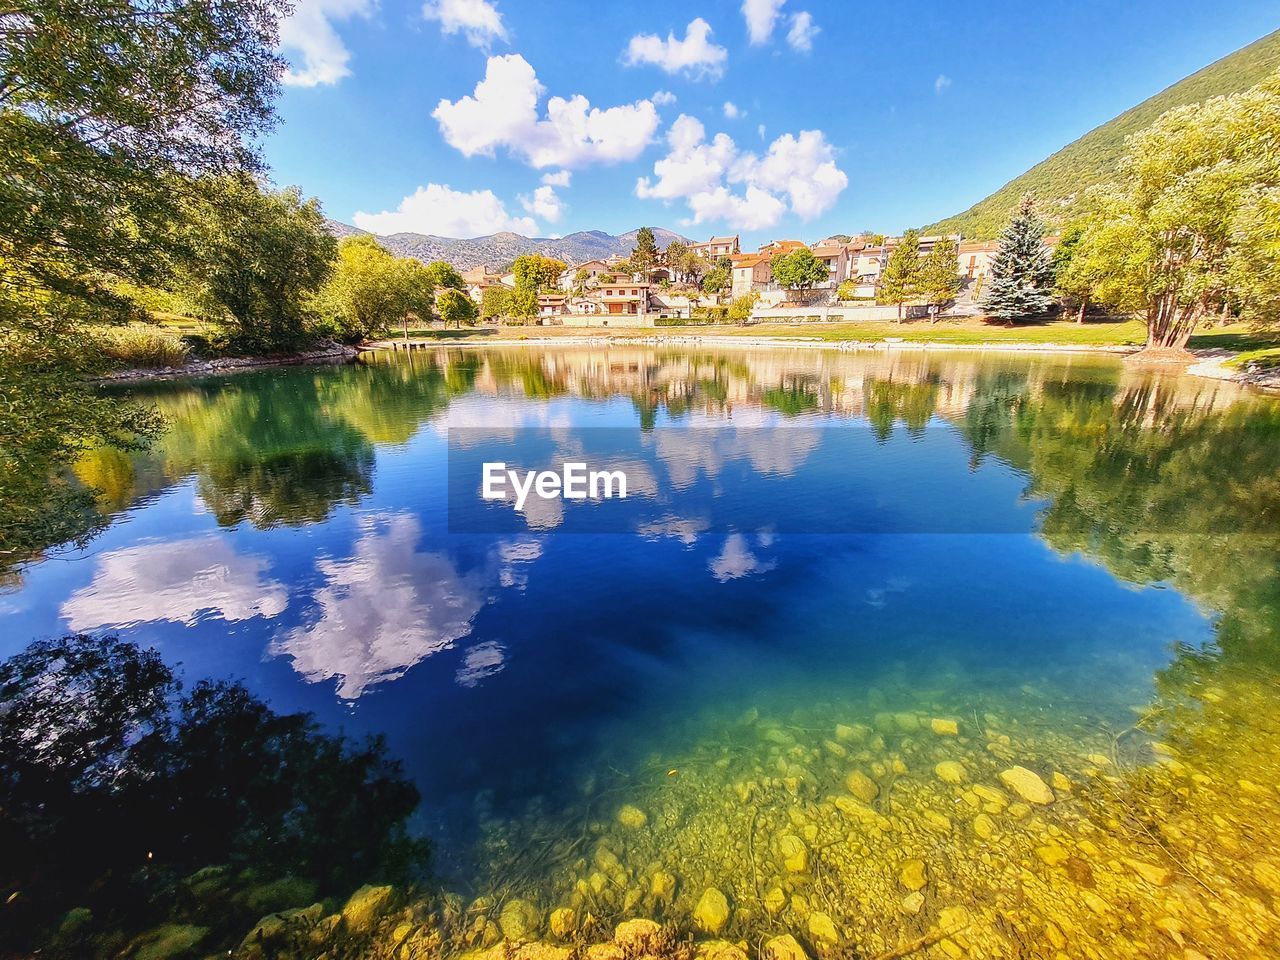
x=139 y=346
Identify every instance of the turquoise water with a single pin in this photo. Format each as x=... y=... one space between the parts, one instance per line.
x=836 y=564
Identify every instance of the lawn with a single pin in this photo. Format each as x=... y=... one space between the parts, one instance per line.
x=975 y=332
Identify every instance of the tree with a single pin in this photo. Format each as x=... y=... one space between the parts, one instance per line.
x=675 y=258
x=800 y=269
x=1072 y=277
x=524 y=303
x=456 y=307
x=718 y=276
x=370 y=289
x=444 y=276
x=848 y=290
x=1020 y=280
x=644 y=255
x=258 y=256
x=1192 y=222
x=495 y=303
x=537 y=272
x=901 y=279
x=940 y=274
x=741 y=307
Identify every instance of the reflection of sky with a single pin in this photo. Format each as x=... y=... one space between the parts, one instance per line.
x=382 y=609
x=177 y=581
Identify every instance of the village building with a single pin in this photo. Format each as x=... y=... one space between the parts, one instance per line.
x=716 y=247
x=568 y=279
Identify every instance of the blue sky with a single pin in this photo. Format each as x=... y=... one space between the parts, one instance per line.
x=598 y=115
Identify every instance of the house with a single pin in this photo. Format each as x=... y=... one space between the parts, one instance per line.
x=477 y=280
x=716 y=247
x=779 y=248
x=552 y=305
x=594 y=268
x=621 y=297
x=751 y=271
x=838 y=258
x=975 y=258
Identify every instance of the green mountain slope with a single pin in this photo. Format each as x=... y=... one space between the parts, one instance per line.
x=1060 y=181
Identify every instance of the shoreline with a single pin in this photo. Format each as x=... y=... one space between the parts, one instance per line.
x=335 y=353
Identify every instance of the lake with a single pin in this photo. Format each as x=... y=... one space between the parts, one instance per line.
x=879 y=643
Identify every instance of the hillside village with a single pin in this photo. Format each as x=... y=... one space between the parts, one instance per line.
x=703 y=279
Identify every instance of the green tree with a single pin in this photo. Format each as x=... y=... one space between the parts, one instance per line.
x=800 y=269
x=456 y=307
x=370 y=289
x=741 y=307
x=445 y=276
x=1020 y=280
x=1192 y=220
x=1072 y=276
x=940 y=274
x=674 y=258
x=718 y=276
x=537 y=272
x=900 y=282
x=258 y=257
x=495 y=303
x=524 y=303
x=848 y=290
x=644 y=255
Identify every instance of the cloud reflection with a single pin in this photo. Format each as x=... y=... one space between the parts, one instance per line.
x=736 y=560
x=177 y=581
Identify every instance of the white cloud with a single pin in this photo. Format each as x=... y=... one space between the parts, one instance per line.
x=440 y=210
x=760 y=130
x=183 y=582
x=798 y=173
x=802 y=31
x=695 y=55
x=481 y=662
x=731 y=110
x=308 y=32
x=560 y=178
x=941 y=83
x=382 y=610
x=761 y=16
x=663 y=98
x=503 y=112
x=544 y=203
x=478 y=20
x=736 y=560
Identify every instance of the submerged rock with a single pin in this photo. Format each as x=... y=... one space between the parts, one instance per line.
x=712 y=912
x=912 y=902
x=519 y=920
x=951 y=771
x=1155 y=875
x=944 y=728
x=774 y=900
x=170 y=940
x=913 y=875
x=862 y=786
x=636 y=933
x=823 y=929
x=662 y=886
x=364 y=906
x=785 y=947
x=795 y=855
x=564 y=922
x=633 y=818
x=1027 y=784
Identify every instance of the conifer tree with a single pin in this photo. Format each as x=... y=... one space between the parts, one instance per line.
x=901 y=280
x=940 y=274
x=1020 y=281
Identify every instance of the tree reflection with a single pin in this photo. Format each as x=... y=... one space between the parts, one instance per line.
x=115 y=784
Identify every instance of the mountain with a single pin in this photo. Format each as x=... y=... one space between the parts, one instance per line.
x=1059 y=182
x=499 y=249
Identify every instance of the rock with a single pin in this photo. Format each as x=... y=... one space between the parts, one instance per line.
x=835 y=749
x=1027 y=784
x=912 y=902
x=1154 y=875
x=783 y=948
x=951 y=771
x=944 y=728
x=907 y=722
x=170 y=940
x=936 y=821
x=823 y=929
x=364 y=906
x=862 y=786
x=984 y=826
x=992 y=795
x=519 y=920
x=563 y=922
x=852 y=732
x=604 y=951
x=1267 y=874
x=913 y=875
x=662 y=886
x=712 y=911
x=636 y=933
x=1052 y=855
x=953 y=919
x=795 y=855
x=774 y=900
x=1060 y=782
x=633 y=818
x=720 y=950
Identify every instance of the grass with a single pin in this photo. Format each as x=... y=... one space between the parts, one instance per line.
x=974 y=332
x=141 y=346
x=1265 y=358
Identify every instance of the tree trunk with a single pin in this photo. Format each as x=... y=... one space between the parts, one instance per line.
x=1084 y=305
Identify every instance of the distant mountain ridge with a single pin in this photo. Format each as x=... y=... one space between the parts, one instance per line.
x=1060 y=181
x=499 y=249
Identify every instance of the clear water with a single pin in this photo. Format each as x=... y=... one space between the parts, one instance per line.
x=1070 y=566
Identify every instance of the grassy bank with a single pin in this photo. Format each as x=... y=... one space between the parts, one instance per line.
x=1129 y=333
